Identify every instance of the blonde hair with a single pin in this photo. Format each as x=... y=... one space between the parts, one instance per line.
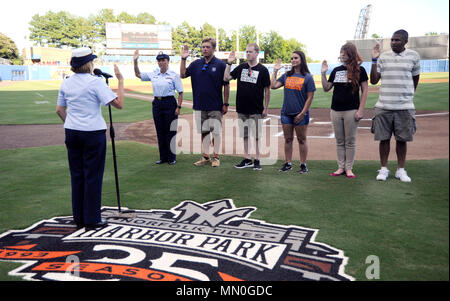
x=86 y=68
x=254 y=45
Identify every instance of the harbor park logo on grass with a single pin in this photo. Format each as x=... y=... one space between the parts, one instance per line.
x=214 y=241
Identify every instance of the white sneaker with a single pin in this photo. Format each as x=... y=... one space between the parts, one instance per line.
x=402 y=175
x=383 y=174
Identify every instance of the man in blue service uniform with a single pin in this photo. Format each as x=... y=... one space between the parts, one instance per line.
x=165 y=108
x=209 y=106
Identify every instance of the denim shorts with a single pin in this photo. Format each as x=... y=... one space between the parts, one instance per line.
x=289 y=119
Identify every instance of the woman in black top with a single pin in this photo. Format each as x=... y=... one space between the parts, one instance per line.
x=347 y=107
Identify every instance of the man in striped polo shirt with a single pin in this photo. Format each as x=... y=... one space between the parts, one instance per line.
x=399 y=71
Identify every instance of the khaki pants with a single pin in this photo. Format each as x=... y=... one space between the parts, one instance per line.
x=345 y=127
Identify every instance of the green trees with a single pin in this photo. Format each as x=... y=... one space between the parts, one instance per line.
x=8 y=49
x=62 y=29
x=272 y=43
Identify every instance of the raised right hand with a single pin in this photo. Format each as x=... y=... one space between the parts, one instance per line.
x=231 y=57
x=324 y=67
x=376 y=51
x=119 y=75
x=277 y=65
x=185 y=52
x=136 y=54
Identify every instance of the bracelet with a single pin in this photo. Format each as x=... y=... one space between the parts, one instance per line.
x=374 y=60
x=179 y=107
x=183 y=59
x=229 y=64
x=226 y=104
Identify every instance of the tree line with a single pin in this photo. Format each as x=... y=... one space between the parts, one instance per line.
x=62 y=29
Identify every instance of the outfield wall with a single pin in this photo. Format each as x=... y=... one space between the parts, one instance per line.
x=35 y=72
x=428 y=47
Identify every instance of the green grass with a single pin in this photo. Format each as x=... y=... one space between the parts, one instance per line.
x=34 y=102
x=39 y=107
x=429 y=96
x=404 y=224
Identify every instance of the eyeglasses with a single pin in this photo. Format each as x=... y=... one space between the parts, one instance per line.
x=204 y=67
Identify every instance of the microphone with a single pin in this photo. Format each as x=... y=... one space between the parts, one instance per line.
x=99 y=72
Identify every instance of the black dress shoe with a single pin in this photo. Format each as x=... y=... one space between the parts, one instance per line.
x=79 y=225
x=99 y=225
x=160 y=162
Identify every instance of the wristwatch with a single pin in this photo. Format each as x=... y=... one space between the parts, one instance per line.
x=179 y=107
x=229 y=64
x=226 y=104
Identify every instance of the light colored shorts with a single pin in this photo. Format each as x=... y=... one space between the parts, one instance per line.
x=250 y=123
x=401 y=123
x=208 y=121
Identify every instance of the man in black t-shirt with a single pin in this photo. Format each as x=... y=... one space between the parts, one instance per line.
x=253 y=85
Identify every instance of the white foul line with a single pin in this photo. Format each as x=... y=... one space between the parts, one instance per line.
x=431 y=114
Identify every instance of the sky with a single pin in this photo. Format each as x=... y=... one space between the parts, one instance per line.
x=322 y=25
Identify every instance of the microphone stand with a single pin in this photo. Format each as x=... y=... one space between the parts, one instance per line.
x=116 y=176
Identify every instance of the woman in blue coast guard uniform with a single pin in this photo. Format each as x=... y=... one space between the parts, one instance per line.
x=165 y=107
x=79 y=106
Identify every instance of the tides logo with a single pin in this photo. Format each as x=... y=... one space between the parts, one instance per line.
x=214 y=241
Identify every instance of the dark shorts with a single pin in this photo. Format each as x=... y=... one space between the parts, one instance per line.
x=401 y=123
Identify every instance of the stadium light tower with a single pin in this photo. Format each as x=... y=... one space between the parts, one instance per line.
x=363 y=23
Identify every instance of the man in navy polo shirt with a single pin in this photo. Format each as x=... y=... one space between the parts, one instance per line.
x=209 y=104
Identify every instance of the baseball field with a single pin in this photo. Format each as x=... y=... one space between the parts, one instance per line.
x=406 y=225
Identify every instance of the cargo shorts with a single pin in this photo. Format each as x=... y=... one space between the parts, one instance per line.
x=250 y=123
x=401 y=123
x=208 y=122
